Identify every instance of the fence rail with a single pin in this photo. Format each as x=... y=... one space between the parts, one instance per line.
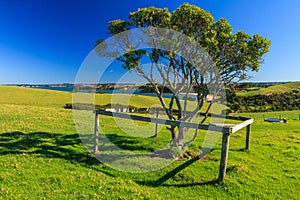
x=226 y=129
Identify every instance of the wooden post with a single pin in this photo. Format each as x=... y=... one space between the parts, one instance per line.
x=96 y=133
x=156 y=124
x=224 y=157
x=248 y=131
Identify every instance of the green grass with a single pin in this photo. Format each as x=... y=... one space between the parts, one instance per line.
x=14 y=95
x=289 y=115
x=42 y=157
x=280 y=88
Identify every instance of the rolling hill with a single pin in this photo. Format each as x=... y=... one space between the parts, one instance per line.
x=280 y=88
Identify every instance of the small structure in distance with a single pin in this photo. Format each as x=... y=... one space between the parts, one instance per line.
x=284 y=120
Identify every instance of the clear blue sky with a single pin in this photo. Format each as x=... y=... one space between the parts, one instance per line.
x=45 y=41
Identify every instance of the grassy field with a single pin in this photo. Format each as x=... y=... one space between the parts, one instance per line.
x=42 y=157
x=279 y=88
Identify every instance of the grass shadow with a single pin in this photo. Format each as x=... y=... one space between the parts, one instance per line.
x=240 y=150
x=214 y=182
x=128 y=143
x=50 y=145
x=161 y=181
x=69 y=147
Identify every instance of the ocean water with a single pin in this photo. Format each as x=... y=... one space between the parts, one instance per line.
x=137 y=92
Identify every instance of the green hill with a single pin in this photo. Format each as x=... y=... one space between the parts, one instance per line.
x=51 y=98
x=280 y=88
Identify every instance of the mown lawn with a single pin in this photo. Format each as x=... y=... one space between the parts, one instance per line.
x=42 y=157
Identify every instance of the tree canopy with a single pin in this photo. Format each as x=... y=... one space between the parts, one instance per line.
x=233 y=54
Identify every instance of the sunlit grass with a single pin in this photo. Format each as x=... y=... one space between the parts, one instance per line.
x=42 y=157
x=279 y=88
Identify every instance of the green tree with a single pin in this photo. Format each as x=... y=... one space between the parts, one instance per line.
x=233 y=54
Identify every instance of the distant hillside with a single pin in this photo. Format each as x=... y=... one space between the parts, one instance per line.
x=258 y=98
x=280 y=88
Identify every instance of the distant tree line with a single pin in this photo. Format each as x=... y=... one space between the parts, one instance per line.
x=248 y=86
x=263 y=103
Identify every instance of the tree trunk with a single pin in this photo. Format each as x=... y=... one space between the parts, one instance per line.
x=173 y=132
x=180 y=138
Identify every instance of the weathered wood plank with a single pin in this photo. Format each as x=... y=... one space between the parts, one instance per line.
x=224 y=157
x=156 y=124
x=248 y=131
x=239 y=118
x=241 y=125
x=211 y=127
x=96 y=133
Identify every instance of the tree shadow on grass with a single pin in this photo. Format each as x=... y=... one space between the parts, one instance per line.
x=66 y=146
x=48 y=145
x=161 y=181
x=128 y=143
x=69 y=147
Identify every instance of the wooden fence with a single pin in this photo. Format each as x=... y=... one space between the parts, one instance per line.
x=226 y=129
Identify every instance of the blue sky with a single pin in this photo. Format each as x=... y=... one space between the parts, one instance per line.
x=45 y=41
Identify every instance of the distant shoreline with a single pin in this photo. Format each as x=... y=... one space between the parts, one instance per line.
x=127 y=84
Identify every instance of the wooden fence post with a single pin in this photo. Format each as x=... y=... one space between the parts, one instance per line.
x=224 y=157
x=156 y=124
x=96 y=133
x=248 y=131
